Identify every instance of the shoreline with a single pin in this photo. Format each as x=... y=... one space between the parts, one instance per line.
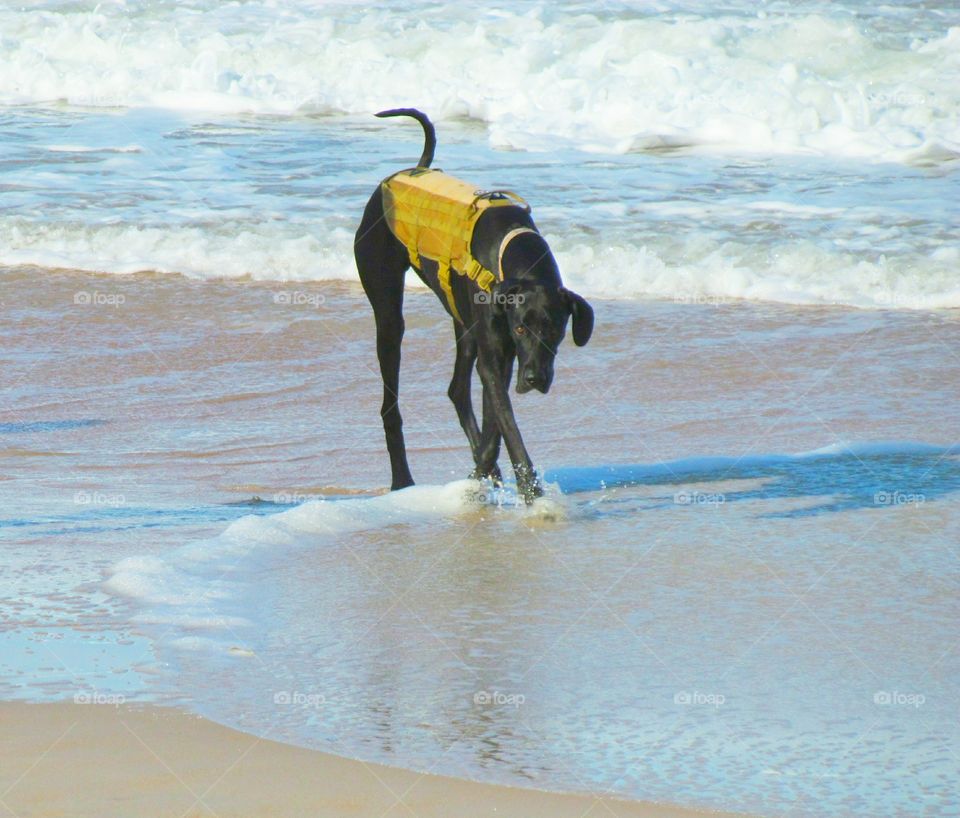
x=101 y=760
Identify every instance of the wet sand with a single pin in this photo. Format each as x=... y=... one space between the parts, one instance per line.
x=146 y=411
x=103 y=761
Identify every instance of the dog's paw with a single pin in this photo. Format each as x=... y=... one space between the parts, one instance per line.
x=492 y=475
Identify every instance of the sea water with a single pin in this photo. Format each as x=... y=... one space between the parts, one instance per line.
x=741 y=589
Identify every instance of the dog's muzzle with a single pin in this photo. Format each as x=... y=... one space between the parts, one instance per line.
x=532 y=378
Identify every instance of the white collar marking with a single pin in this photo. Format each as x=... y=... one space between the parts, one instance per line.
x=503 y=246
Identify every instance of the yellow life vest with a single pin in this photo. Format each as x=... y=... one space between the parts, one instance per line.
x=434 y=216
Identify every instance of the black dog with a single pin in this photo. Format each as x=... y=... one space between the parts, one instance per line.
x=494 y=273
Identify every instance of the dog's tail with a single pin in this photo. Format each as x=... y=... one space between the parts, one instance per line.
x=430 y=135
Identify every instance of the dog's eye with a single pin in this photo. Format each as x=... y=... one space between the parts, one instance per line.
x=520 y=330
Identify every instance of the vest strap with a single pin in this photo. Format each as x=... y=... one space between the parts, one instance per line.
x=443 y=276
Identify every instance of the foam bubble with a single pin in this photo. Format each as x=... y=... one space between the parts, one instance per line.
x=182 y=589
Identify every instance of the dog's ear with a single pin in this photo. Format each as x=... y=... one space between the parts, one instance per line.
x=582 y=314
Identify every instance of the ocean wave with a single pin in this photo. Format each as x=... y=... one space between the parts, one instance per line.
x=180 y=587
x=796 y=272
x=804 y=83
x=255 y=251
x=592 y=478
x=695 y=272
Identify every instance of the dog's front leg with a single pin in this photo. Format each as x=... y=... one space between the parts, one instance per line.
x=489 y=449
x=495 y=386
x=485 y=445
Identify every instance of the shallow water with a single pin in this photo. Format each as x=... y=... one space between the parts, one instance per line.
x=697 y=619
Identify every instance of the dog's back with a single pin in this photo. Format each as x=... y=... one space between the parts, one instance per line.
x=434 y=216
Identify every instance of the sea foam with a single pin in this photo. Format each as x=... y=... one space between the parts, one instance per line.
x=815 y=82
x=198 y=586
x=699 y=271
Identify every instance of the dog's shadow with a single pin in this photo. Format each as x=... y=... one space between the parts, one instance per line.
x=833 y=481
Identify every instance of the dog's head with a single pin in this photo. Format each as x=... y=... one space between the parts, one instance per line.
x=536 y=319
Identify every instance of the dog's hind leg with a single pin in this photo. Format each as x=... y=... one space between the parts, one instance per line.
x=390 y=326
x=382 y=262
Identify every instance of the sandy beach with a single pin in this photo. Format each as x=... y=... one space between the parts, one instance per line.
x=103 y=761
